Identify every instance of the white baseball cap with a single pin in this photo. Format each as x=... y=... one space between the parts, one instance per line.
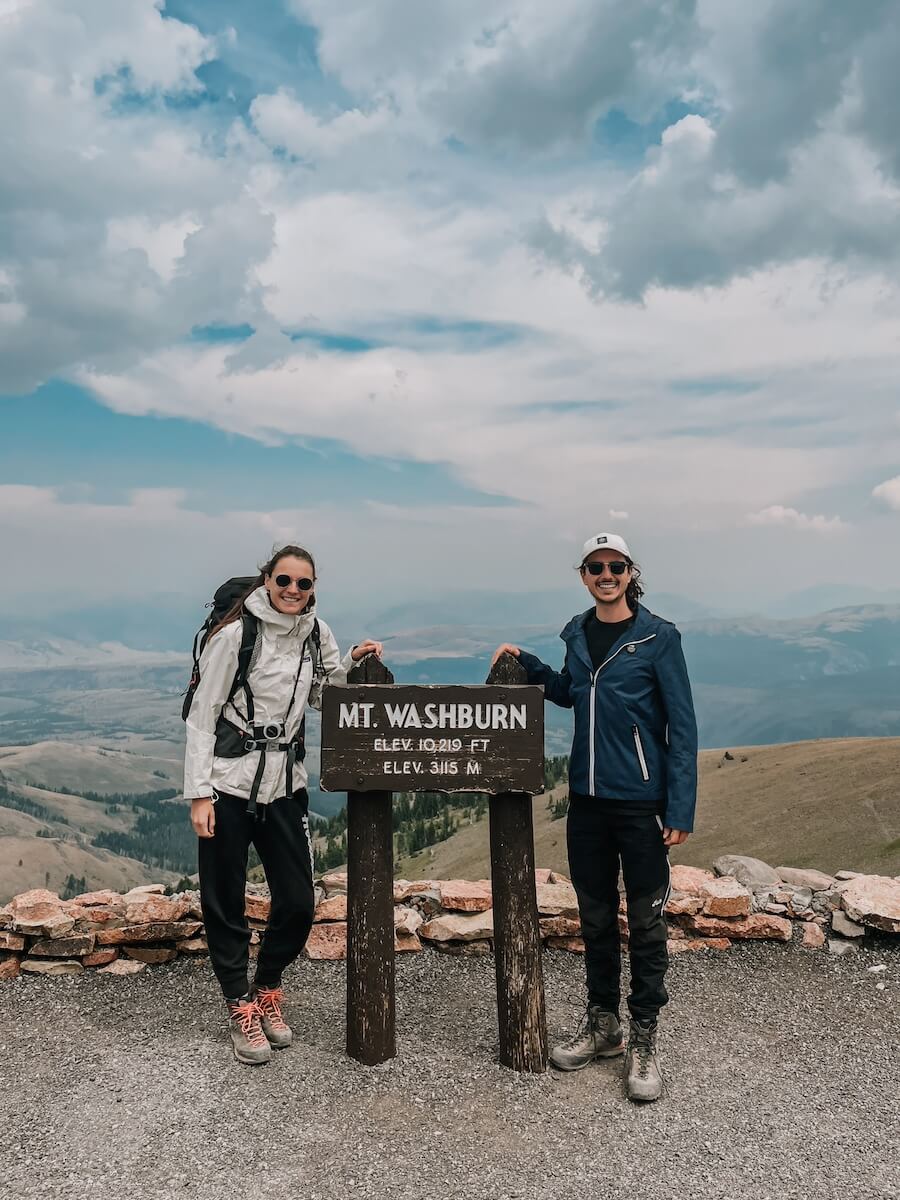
x=605 y=541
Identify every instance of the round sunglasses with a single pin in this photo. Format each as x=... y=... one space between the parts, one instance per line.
x=284 y=581
x=615 y=568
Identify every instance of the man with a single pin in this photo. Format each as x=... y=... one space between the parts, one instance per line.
x=632 y=793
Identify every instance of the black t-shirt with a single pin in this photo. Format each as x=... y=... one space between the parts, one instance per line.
x=602 y=636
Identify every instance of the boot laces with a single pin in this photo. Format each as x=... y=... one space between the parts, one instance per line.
x=586 y=1027
x=269 y=1001
x=247 y=1013
x=642 y=1041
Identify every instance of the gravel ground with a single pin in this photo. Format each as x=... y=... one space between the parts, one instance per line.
x=781 y=1064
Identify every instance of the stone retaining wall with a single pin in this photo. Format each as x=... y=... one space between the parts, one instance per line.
x=707 y=910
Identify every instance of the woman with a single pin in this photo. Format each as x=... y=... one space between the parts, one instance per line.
x=245 y=777
x=633 y=790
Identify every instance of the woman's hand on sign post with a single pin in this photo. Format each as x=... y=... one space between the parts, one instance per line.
x=203 y=817
x=366 y=647
x=506 y=648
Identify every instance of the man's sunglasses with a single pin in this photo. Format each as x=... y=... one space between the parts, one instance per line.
x=284 y=581
x=597 y=568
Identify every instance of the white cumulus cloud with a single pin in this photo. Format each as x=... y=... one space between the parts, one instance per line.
x=790 y=518
x=889 y=493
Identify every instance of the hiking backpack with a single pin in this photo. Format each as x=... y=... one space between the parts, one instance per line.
x=232 y=742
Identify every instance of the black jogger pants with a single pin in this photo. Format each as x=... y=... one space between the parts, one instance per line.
x=601 y=837
x=280 y=833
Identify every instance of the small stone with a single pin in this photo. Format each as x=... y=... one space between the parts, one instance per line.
x=73 y=946
x=560 y=927
x=776 y=909
x=99 y=958
x=404 y=941
x=459 y=895
x=327 y=941
x=334 y=882
x=725 y=897
x=880 y=986
x=332 y=909
x=407 y=920
x=197 y=945
x=689 y=880
x=877 y=969
x=464 y=948
x=813 y=937
x=51 y=966
x=424 y=897
x=10 y=967
x=841 y=923
x=150 y=954
x=462 y=927
x=838 y=947
x=676 y=946
x=574 y=945
x=800 y=901
x=11 y=941
x=846 y=874
x=123 y=966
x=257 y=907
x=873 y=900
x=753 y=873
x=557 y=900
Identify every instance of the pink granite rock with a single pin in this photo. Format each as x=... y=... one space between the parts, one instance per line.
x=51 y=966
x=122 y=966
x=557 y=900
x=459 y=927
x=11 y=941
x=689 y=880
x=10 y=967
x=873 y=900
x=99 y=958
x=679 y=904
x=332 y=909
x=725 y=897
x=560 y=927
x=757 y=925
x=195 y=945
x=150 y=954
x=73 y=946
x=460 y=895
x=149 y=908
x=257 y=907
x=574 y=945
x=813 y=937
x=327 y=941
x=677 y=946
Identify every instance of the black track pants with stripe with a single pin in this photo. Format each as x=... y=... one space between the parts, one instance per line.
x=281 y=837
x=602 y=838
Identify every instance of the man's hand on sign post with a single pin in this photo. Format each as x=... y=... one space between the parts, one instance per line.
x=366 y=647
x=674 y=837
x=506 y=648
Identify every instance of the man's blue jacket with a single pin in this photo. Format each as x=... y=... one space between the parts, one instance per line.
x=635 y=730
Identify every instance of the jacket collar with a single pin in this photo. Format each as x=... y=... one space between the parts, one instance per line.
x=576 y=639
x=258 y=604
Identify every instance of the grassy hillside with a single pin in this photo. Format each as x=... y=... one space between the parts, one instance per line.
x=826 y=804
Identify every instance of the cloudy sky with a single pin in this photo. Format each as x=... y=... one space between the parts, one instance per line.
x=441 y=289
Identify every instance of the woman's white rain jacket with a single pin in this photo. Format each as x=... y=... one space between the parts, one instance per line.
x=273 y=669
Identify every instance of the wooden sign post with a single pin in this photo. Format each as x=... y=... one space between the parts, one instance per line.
x=371 y=1019
x=378 y=736
x=521 y=1014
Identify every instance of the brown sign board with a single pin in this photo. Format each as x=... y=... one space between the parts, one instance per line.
x=399 y=738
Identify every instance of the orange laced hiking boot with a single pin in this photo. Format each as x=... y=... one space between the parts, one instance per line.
x=245 y=1026
x=274 y=1026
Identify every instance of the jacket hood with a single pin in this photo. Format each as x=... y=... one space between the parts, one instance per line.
x=258 y=604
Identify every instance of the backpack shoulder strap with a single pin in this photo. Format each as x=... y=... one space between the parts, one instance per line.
x=249 y=630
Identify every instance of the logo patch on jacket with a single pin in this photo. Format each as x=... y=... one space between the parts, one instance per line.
x=631 y=648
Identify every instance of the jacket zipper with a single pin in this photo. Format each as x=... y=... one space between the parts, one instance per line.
x=638 y=642
x=636 y=734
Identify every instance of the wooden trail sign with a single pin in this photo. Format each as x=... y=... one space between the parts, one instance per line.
x=432 y=738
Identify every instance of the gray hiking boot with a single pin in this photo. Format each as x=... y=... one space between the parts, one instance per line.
x=274 y=1026
x=599 y=1035
x=643 y=1079
x=244 y=1024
